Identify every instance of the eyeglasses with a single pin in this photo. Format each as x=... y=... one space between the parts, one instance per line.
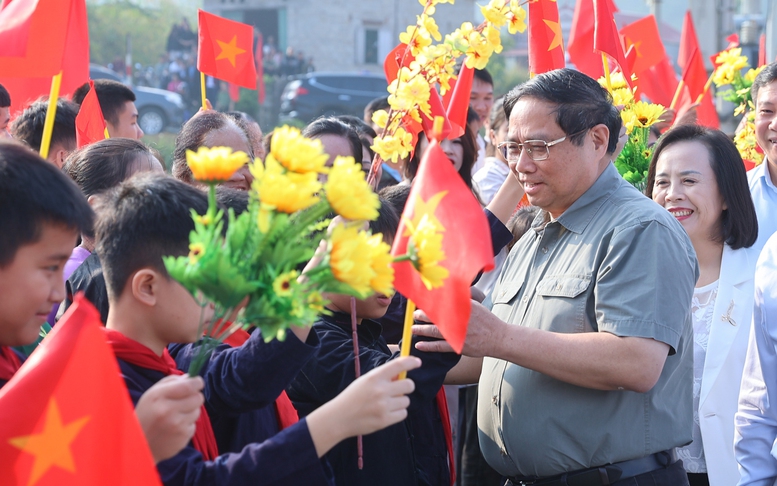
x=537 y=149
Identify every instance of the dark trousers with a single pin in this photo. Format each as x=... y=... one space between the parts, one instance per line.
x=473 y=468
x=698 y=479
x=672 y=475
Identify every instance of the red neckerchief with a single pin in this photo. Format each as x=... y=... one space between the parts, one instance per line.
x=136 y=354
x=9 y=363
x=285 y=412
x=442 y=405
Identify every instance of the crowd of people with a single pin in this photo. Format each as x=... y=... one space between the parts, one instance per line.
x=624 y=338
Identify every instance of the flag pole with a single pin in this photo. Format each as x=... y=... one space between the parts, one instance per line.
x=706 y=87
x=407 y=334
x=606 y=66
x=679 y=89
x=106 y=133
x=202 y=90
x=51 y=112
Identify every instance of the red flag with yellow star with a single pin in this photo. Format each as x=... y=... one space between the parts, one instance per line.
x=444 y=226
x=67 y=416
x=546 y=45
x=225 y=50
x=644 y=38
x=606 y=37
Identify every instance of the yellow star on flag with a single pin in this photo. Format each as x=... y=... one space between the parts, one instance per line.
x=229 y=51
x=635 y=45
x=555 y=27
x=426 y=207
x=52 y=446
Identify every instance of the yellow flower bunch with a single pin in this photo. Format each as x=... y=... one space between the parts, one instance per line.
x=730 y=62
x=280 y=190
x=383 y=281
x=348 y=192
x=394 y=146
x=297 y=153
x=354 y=256
x=746 y=143
x=641 y=114
x=427 y=252
x=409 y=93
x=282 y=285
x=214 y=165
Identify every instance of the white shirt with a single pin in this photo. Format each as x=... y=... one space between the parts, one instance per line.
x=764 y=194
x=481 y=160
x=756 y=419
x=490 y=178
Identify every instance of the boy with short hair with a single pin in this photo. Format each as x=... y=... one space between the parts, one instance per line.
x=42 y=213
x=28 y=128
x=148 y=217
x=405 y=453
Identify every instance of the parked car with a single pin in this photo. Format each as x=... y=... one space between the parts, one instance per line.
x=158 y=109
x=311 y=95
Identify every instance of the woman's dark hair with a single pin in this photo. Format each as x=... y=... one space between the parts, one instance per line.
x=396 y=196
x=739 y=228
x=192 y=136
x=333 y=126
x=366 y=133
x=387 y=221
x=104 y=164
x=469 y=156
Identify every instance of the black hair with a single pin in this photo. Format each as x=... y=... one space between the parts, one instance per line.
x=192 y=136
x=5 y=98
x=141 y=220
x=28 y=126
x=739 y=227
x=104 y=164
x=366 y=133
x=581 y=103
x=520 y=222
x=112 y=96
x=469 y=155
x=767 y=75
x=387 y=221
x=33 y=192
x=484 y=75
x=396 y=196
x=329 y=125
x=229 y=198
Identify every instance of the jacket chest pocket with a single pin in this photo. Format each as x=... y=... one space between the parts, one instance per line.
x=561 y=303
x=504 y=300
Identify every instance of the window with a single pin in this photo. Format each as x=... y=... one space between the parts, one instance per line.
x=370 y=46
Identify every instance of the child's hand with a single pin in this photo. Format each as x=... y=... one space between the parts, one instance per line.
x=372 y=402
x=167 y=413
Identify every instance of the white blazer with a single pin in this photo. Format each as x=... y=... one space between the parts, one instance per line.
x=722 y=375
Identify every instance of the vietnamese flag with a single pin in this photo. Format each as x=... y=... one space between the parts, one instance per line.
x=225 y=50
x=456 y=102
x=644 y=38
x=440 y=196
x=581 y=39
x=68 y=419
x=606 y=37
x=45 y=37
x=695 y=76
x=659 y=83
x=259 y=58
x=90 y=123
x=546 y=44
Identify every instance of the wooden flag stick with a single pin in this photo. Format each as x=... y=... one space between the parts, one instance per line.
x=51 y=112
x=202 y=90
x=606 y=66
x=107 y=136
x=357 y=373
x=407 y=334
x=706 y=87
x=677 y=92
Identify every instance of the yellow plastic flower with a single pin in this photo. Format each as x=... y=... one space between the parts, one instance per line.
x=282 y=285
x=380 y=118
x=348 y=192
x=478 y=52
x=617 y=81
x=394 y=147
x=747 y=145
x=287 y=192
x=350 y=258
x=494 y=39
x=427 y=241
x=732 y=58
x=195 y=251
x=752 y=73
x=410 y=93
x=297 y=153
x=622 y=97
x=517 y=18
x=215 y=165
x=428 y=24
x=646 y=114
x=629 y=119
x=415 y=38
x=316 y=301
x=495 y=13
x=383 y=281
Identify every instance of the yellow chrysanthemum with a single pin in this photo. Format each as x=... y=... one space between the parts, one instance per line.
x=282 y=285
x=517 y=18
x=316 y=301
x=215 y=165
x=646 y=114
x=287 y=192
x=383 y=281
x=622 y=97
x=348 y=192
x=732 y=58
x=297 y=153
x=629 y=120
x=747 y=145
x=427 y=241
x=752 y=73
x=350 y=258
x=495 y=13
x=394 y=147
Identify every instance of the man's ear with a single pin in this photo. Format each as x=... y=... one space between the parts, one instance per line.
x=144 y=285
x=601 y=137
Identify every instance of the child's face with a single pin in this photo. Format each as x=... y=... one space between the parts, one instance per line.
x=373 y=307
x=180 y=313
x=32 y=283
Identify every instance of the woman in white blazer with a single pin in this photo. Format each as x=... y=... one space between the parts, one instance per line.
x=697 y=174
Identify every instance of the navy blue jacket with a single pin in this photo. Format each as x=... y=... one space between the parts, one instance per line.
x=392 y=456
x=238 y=380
